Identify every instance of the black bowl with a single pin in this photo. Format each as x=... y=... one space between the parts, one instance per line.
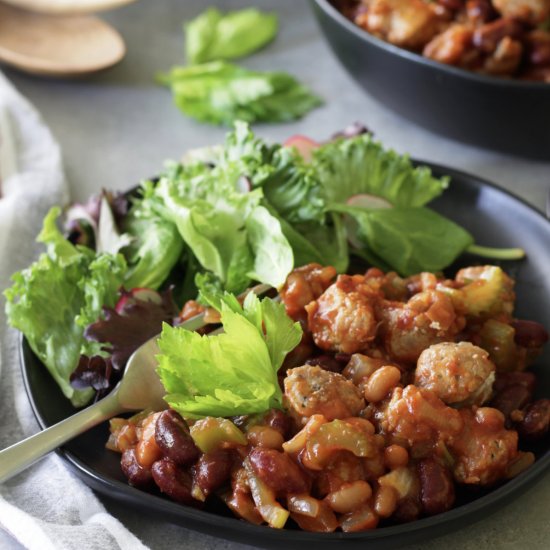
x=495 y=218
x=512 y=116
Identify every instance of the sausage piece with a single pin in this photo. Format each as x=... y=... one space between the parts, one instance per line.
x=459 y=374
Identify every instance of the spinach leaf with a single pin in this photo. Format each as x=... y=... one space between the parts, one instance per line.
x=412 y=240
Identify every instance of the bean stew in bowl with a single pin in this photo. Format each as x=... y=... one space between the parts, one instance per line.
x=390 y=386
x=399 y=392
x=459 y=68
x=508 y=38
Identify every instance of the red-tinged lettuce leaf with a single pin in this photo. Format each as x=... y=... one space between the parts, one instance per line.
x=353 y=130
x=132 y=323
x=53 y=300
x=83 y=221
x=94 y=372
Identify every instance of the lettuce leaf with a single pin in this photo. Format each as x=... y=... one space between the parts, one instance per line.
x=348 y=167
x=54 y=299
x=214 y=229
x=229 y=233
x=294 y=189
x=232 y=373
x=213 y=35
x=221 y=93
x=156 y=246
x=273 y=257
x=287 y=182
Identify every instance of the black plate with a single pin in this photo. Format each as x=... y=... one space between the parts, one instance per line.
x=497 y=113
x=496 y=218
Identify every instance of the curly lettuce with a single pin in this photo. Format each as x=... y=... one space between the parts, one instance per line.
x=54 y=299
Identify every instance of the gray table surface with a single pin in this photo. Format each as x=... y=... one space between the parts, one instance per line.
x=118 y=127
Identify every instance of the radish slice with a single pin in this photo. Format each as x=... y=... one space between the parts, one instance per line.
x=141 y=294
x=244 y=185
x=304 y=145
x=364 y=200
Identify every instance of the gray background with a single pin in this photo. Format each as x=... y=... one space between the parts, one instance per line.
x=118 y=127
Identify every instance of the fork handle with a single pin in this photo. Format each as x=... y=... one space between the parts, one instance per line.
x=16 y=458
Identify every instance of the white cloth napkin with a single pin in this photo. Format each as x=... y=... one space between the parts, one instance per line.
x=45 y=507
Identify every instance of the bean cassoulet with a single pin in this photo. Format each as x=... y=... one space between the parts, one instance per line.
x=400 y=391
x=499 y=37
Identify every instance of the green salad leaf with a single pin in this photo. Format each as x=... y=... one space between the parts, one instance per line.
x=221 y=93
x=214 y=229
x=230 y=233
x=411 y=240
x=156 y=244
x=57 y=245
x=273 y=257
x=213 y=35
x=54 y=299
x=232 y=373
x=348 y=167
x=294 y=189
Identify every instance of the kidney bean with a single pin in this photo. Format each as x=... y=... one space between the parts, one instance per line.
x=536 y=420
x=326 y=362
x=277 y=470
x=279 y=421
x=172 y=480
x=480 y=11
x=506 y=379
x=529 y=334
x=540 y=54
x=299 y=355
x=510 y=399
x=342 y=358
x=407 y=510
x=488 y=36
x=437 y=492
x=173 y=438
x=453 y=5
x=137 y=475
x=213 y=470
